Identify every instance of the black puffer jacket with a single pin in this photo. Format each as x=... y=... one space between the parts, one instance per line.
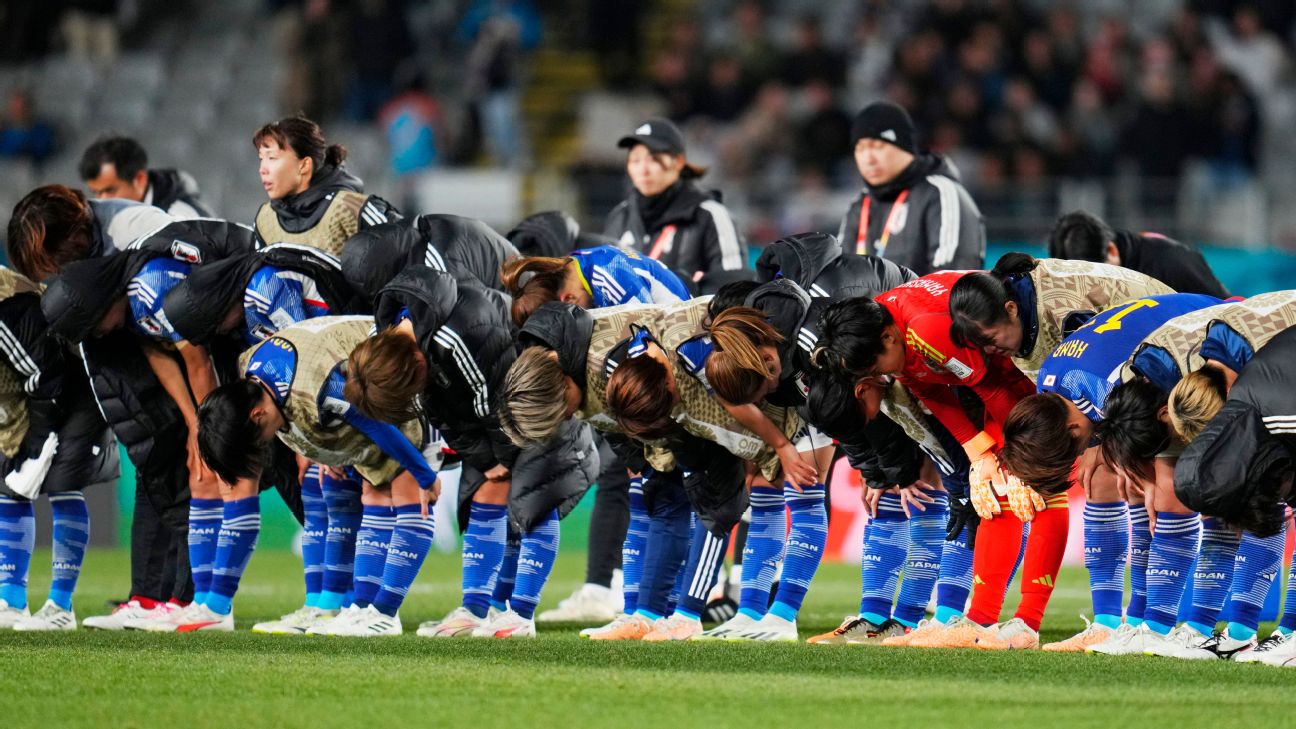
x=197 y=305
x=373 y=257
x=553 y=234
x=815 y=261
x=688 y=229
x=464 y=333
x=564 y=328
x=555 y=476
x=1251 y=443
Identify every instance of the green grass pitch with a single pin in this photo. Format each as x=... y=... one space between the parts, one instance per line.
x=558 y=680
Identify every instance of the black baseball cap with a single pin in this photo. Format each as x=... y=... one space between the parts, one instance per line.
x=657 y=134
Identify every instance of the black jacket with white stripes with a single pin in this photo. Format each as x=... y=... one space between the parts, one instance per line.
x=1251 y=443
x=937 y=227
x=692 y=234
x=373 y=257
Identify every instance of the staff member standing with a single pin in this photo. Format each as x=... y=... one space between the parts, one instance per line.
x=669 y=218
x=914 y=209
x=118 y=167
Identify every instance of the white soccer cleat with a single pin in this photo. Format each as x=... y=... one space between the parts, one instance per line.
x=1014 y=635
x=507 y=624
x=1182 y=637
x=196 y=618
x=128 y=615
x=1217 y=647
x=1257 y=654
x=1281 y=654
x=588 y=604
x=296 y=622
x=368 y=623
x=769 y=629
x=728 y=628
x=49 y=617
x=9 y=616
x=460 y=623
x=622 y=627
x=1127 y=640
x=676 y=627
x=324 y=625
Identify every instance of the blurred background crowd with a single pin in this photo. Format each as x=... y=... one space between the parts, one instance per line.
x=1166 y=115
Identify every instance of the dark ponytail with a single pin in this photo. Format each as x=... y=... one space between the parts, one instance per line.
x=850 y=337
x=305 y=138
x=977 y=300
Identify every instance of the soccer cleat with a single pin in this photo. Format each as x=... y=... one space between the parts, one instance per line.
x=625 y=627
x=1126 y=640
x=853 y=629
x=588 y=604
x=1093 y=634
x=1283 y=654
x=1218 y=646
x=1014 y=635
x=926 y=628
x=49 y=617
x=676 y=627
x=128 y=615
x=367 y=623
x=1277 y=641
x=196 y=618
x=736 y=624
x=769 y=629
x=9 y=616
x=959 y=633
x=324 y=625
x=458 y=624
x=507 y=624
x=1181 y=637
x=296 y=622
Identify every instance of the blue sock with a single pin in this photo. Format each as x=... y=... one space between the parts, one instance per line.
x=409 y=545
x=71 y=533
x=766 y=538
x=667 y=548
x=239 y=530
x=1259 y=560
x=1287 y=624
x=507 y=578
x=371 y=552
x=706 y=556
x=342 y=500
x=805 y=546
x=535 y=562
x=922 y=565
x=886 y=542
x=17 y=539
x=1106 y=549
x=632 y=549
x=204 y=530
x=483 y=550
x=1213 y=575
x=314 y=534
x=1170 y=561
x=677 y=588
x=1140 y=545
x=955 y=581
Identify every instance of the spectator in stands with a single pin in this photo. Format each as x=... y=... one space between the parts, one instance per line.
x=90 y=30
x=913 y=209
x=1081 y=236
x=811 y=60
x=669 y=218
x=22 y=134
x=500 y=33
x=380 y=43
x=118 y=167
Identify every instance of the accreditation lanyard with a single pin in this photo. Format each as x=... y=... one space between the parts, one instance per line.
x=861 y=238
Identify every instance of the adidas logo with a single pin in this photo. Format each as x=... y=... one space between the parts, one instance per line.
x=976 y=580
x=644 y=129
x=1046 y=581
x=888 y=135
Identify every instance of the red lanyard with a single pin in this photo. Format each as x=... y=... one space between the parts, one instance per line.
x=861 y=238
x=664 y=239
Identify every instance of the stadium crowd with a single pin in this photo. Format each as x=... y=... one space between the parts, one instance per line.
x=368 y=363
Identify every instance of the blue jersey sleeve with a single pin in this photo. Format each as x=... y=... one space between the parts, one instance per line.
x=1224 y=345
x=614 y=276
x=275 y=299
x=145 y=293
x=386 y=436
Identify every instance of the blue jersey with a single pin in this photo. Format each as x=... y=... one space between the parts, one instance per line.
x=145 y=293
x=1086 y=365
x=276 y=366
x=615 y=276
x=275 y=298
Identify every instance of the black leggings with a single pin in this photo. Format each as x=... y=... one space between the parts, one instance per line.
x=609 y=519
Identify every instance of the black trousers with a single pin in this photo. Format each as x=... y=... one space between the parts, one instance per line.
x=610 y=517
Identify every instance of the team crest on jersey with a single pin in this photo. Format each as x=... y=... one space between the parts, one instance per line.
x=150 y=325
x=186 y=252
x=958 y=369
x=899 y=217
